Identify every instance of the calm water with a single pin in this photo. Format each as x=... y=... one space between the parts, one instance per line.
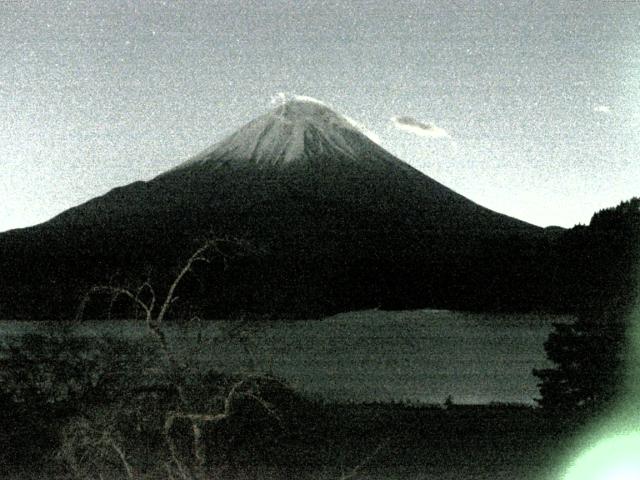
x=418 y=356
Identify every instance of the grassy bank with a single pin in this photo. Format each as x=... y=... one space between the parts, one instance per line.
x=91 y=407
x=310 y=439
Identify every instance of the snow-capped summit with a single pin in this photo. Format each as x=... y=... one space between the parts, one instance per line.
x=298 y=129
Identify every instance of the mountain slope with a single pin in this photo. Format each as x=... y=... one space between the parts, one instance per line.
x=341 y=224
x=301 y=149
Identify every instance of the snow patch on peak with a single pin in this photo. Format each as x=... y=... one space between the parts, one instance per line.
x=289 y=105
x=299 y=128
x=303 y=109
x=282 y=98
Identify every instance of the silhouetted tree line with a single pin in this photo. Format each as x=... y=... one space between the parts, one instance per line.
x=307 y=270
x=600 y=265
x=288 y=275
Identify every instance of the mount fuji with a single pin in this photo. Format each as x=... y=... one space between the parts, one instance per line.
x=340 y=224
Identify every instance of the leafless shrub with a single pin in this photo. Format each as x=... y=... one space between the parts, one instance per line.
x=89 y=443
x=159 y=430
x=89 y=448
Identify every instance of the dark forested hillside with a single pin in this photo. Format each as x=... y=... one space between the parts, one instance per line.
x=334 y=223
x=597 y=264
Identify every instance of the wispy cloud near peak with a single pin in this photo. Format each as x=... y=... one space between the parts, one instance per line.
x=422 y=129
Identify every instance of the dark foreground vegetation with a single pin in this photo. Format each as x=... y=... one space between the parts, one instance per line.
x=592 y=354
x=97 y=407
x=77 y=407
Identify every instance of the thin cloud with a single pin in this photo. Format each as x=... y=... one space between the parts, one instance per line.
x=602 y=109
x=411 y=125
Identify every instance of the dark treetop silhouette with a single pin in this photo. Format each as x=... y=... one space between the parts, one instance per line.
x=591 y=353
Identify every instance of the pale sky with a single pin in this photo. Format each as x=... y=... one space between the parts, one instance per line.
x=529 y=108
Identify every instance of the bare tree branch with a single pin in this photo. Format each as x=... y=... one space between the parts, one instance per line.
x=115 y=292
x=356 y=470
x=145 y=298
x=116 y=448
x=196 y=257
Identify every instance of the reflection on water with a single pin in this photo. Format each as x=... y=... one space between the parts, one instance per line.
x=418 y=356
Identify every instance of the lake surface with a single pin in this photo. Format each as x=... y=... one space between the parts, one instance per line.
x=420 y=356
